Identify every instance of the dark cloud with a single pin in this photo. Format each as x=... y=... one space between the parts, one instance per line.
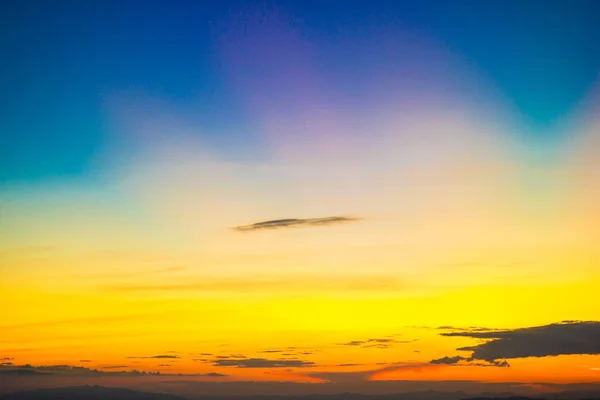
x=354 y=343
x=466 y=329
x=6 y=363
x=165 y=365
x=293 y=222
x=383 y=343
x=86 y=361
x=272 y=351
x=70 y=370
x=6 y=359
x=169 y=356
x=469 y=361
x=567 y=337
x=348 y=365
x=448 y=360
x=261 y=363
x=215 y=375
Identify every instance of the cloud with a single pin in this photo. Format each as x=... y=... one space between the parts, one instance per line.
x=86 y=361
x=567 y=337
x=70 y=370
x=214 y=375
x=383 y=343
x=448 y=360
x=272 y=351
x=169 y=356
x=261 y=363
x=293 y=222
x=467 y=329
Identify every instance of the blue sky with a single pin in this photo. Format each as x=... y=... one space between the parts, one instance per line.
x=62 y=58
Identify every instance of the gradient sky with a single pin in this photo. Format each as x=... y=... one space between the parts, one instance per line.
x=456 y=142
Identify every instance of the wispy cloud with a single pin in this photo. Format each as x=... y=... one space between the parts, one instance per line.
x=466 y=329
x=261 y=363
x=171 y=356
x=294 y=222
x=378 y=343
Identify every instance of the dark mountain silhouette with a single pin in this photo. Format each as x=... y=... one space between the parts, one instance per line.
x=87 y=393
x=105 y=393
x=561 y=395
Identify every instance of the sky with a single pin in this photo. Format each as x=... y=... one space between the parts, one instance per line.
x=337 y=195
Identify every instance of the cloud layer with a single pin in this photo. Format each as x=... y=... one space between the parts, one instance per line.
x=567 y=337
x=378 y=343
x=261 y=363
x=293 y=222
x=70 y=370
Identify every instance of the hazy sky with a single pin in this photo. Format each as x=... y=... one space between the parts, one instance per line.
x=304 y=191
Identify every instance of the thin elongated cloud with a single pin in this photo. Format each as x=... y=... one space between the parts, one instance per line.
x=261 y=363
x=70 y=370
x=378 y=343
x=567 y=337
x=469 y=361
x=159 y=356
x=294 y=222
x=466 y=329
